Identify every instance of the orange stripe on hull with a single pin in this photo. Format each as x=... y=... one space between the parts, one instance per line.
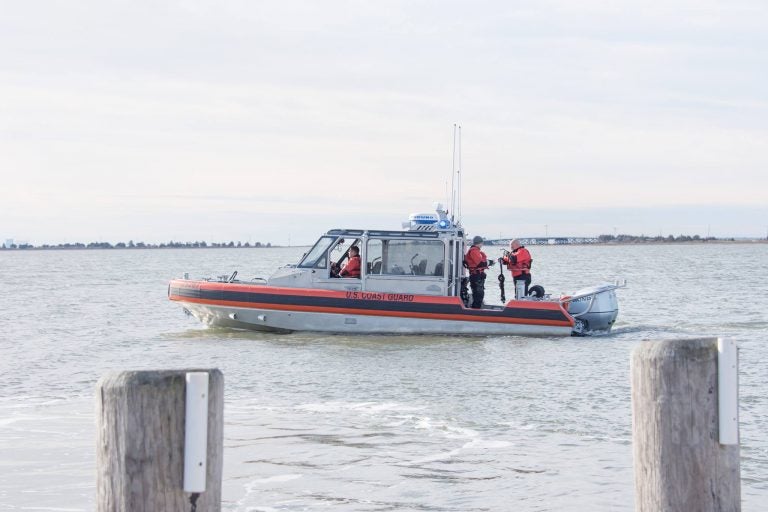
x=307 y=292
x=368 y=312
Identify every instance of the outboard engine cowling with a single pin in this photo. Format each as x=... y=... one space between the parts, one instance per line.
x=595 y=309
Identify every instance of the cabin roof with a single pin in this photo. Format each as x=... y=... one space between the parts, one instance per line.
x=393 y=234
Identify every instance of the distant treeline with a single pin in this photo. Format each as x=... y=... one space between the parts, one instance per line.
x=633 y=239
x=138 y=245
x=603 y=239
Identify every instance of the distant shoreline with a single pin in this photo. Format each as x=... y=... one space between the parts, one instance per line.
x=103 y=246
x=697 y=242
x=146 y=248
x=131 y=246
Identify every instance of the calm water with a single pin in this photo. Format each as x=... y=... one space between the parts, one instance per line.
x=318 y=422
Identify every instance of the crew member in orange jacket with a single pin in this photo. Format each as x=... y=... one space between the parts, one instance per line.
x=352 y=268
x=476 y=261
x=518 y=261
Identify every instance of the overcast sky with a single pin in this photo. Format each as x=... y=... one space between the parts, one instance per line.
x=252 y=120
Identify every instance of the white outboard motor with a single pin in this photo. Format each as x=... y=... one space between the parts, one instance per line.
x=595 y=309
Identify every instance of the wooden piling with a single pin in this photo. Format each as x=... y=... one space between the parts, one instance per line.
x=140 y=442
x=679 y=463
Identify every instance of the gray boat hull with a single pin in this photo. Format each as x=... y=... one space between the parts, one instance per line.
x=289 y=321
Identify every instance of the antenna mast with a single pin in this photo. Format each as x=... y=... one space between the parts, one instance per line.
x=453 y=177
x=458 y=180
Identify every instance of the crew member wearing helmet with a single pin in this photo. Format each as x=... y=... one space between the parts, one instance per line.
x=476 y=261
x=518 y=261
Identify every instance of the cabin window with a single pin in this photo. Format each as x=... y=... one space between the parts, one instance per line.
x=340 y=252
x=317 y=257
x=405 y=257
x=342 y=247
x=374 y=257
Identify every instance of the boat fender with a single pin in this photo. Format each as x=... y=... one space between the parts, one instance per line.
x=464 y=292
x=536 y=291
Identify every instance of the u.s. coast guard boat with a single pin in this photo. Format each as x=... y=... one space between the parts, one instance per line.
x=412 y=281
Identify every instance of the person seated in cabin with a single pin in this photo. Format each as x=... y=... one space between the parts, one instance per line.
x=352 y=268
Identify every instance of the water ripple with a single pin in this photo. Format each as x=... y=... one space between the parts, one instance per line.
x=364 y=423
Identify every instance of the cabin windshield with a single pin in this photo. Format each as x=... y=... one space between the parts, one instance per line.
x=317 y=257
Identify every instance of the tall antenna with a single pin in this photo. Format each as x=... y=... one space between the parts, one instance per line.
x=453 y=177
x=458 y=180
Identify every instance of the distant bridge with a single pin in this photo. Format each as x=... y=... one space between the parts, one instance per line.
x=546 y=240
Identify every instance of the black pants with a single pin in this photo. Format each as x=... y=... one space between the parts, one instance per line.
x=523 y=277
x=477 y=283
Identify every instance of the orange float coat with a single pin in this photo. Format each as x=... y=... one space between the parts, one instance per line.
x=476 y=260
x=518 y=262
x=352 y=268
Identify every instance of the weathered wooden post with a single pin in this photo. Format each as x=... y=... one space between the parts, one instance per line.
x=683 y=460
x=141 y=418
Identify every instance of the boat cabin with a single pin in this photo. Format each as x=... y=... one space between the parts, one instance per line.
x=422 y=261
